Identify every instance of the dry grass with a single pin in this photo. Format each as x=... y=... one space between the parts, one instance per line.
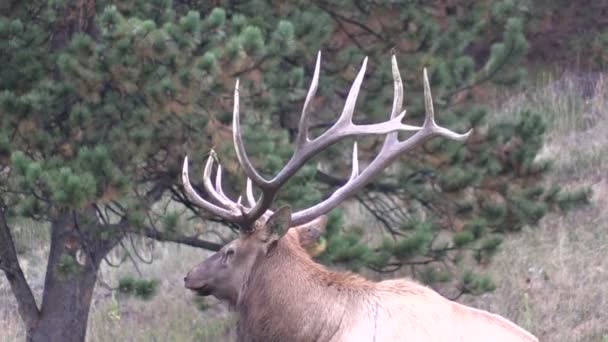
x=27 y=235
x=551 y=279
x=170 y=316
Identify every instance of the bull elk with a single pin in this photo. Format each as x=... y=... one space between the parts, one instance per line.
x=280 y=293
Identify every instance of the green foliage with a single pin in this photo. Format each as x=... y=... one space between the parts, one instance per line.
x=431 y=275
x=252 y=39
x=348 y=249
x=567 y=200
x=141 y=288
x=201 y=303
x=216 y=18
x=415 y=244
x=600 y=48
x=126 y=285
x=283 y=39
x=97 y=121
x=476 y=284
x=67 y=266
x=463 y=238
x=145 y=288
x=507 y=52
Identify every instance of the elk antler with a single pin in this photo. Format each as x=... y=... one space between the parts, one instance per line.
x=305 y=149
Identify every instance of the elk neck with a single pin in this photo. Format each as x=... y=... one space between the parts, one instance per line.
x=289 y=295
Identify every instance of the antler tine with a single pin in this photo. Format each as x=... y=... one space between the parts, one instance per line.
x=398 y=92
x=201 y=202
x=397 y=99
x=216 y=193
x=303 y=126
x=249 y=194
x=220 y=189
x=351 y=100
x=390 y=150
x=355 y=171
x=241 y=154
x=429 y=119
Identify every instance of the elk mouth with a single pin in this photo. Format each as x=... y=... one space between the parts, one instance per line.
x=199 y=289
x=202 y=291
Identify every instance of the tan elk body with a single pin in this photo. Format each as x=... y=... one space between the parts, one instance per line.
x=281 y=294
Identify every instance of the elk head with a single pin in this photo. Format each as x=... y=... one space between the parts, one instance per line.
x=226 y=272
x=223 y=273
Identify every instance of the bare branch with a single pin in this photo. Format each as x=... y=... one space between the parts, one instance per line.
x=181 y=239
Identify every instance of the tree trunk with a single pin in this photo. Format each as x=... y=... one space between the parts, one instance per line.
x=66 y=306
x=77 y=247
x=9 y=263
x=74 y=260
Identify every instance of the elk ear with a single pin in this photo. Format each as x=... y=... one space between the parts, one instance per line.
x=276 y=226
x=309 y=233
x=278 y=223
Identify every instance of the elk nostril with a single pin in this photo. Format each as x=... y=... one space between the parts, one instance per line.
x=185 y=279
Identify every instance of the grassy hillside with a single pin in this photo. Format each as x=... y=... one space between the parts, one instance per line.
x=550 y=279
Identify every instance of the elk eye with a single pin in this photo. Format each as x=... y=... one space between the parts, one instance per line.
x=227 y=255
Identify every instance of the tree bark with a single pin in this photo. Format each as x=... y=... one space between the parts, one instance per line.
x=9 y=263
x=74 y=259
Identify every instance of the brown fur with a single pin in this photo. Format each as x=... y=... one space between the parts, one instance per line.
x=281 y=294
x=289 y=297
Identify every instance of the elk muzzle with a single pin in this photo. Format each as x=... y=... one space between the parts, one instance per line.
x=199 y=278
x=197 y=285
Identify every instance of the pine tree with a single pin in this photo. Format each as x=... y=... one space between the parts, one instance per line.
x=99 y=103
